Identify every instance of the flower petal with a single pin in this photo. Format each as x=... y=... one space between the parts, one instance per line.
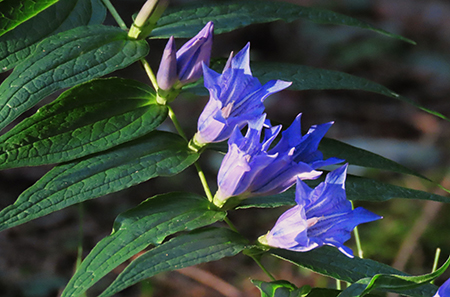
x=167 y=72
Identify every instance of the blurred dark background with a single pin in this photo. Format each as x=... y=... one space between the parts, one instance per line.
x=38 y=258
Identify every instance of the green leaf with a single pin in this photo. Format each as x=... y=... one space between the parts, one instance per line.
x=280 y=288
x=360 y=157
x=185 y=250
x=156 y=154
x=366 y=189
x=186 y=21
x=15 y=12
x=351 y=154
x=149 y=223
x=309 y=78
x=86 y=119
x=330 y=262
x=357 y=189
x=18 y=44
x=64 y=60
x=391 y=282
x=322 y=292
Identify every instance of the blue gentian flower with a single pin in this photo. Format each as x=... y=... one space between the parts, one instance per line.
x=251 y=168
x=322 y=216
x=444 y=290
x=236 y=97
x=184 y=66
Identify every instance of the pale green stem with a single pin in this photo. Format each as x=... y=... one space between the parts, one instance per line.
x=202 y=177
x=263 y=268
x=200 y=172
x=435 y=263
x=338 y=284
x=115 y=14
x=80 y=234
x=175 y=122
x=150 y=73
x=357 y=240
x=230 y=224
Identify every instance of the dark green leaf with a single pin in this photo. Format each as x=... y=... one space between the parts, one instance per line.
x=156 y=154
x=182 y=251
x=357 y=189
x=351 y=154
x=64 y=60
x=186 y=21
x=391 y=282
x=309 y=78
x=330 y=262
x=18 y=44
x=149 y=223
x=280 y=288
x=322 y=292
x=86 y=119
x=366 y=189
x=15 y=12
x=360 y=157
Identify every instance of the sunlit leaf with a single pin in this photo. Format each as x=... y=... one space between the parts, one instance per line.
x=18 y=44
x=149 y=223
x=64 y=60
x=156 y=154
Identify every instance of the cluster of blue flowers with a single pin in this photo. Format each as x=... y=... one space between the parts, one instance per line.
x=252 y=165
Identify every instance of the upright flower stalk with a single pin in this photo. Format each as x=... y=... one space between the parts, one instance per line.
x=147 y=17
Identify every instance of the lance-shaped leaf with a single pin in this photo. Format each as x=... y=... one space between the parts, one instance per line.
x=185 y=250
x=310 y=78
x=86 y=119
x=280 y=288
x=391 y=282
x=357 y=189
x=64 y=60
x=322 y=292
x=149 y=223
x=15 y=12
x=330 y=262
x=351 y=154
x=361 y=157
x=18 y=44
x=186 y=21
x=156 y=154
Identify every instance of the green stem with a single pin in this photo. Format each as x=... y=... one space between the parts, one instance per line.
x=175 y=122
x=200 y=172
x=115 y=14
x=230 y=224
x=357 y=239
x=80 y=234
x=263 y=268
x=202 y=177
x=435 y=263
x=338 y=285
x=150 y=73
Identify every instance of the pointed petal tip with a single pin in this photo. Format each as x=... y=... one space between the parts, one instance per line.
x=337 y=176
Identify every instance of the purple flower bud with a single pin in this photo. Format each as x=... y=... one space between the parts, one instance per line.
x=322 y=216
x=167 y=72
x=236 y=98
x=444 y=290
x=250 y=168
x=193 y=53
x=185 y=65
